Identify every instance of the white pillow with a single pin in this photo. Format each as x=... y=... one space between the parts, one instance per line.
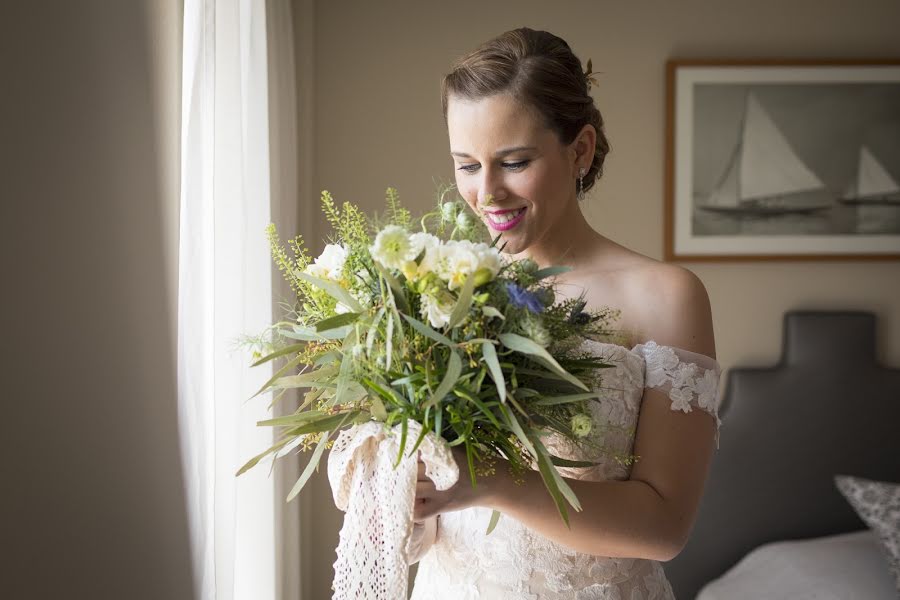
x=848 y=566
x=878 y=504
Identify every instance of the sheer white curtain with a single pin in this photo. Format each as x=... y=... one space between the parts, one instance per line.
x=225 y=290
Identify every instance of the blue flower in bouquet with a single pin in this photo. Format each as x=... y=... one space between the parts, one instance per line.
x=524 y=299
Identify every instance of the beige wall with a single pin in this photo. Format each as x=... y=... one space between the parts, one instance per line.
x=92 y=501
x=378 y=123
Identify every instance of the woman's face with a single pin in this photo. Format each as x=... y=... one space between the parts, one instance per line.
x=511 y=169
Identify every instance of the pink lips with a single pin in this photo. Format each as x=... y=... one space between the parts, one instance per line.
x=509 y=224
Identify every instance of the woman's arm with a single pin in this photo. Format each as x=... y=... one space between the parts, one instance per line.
x=651 y=514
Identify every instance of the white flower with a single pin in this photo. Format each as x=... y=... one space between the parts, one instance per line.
x=438 y=313
x=421 y=242
x=329 y=264
x=581 y=425
x=392 y=247
x=460 y=261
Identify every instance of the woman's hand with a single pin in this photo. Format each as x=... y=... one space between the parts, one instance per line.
x=430 y=501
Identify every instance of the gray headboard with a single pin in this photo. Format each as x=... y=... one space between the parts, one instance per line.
x=826 y=408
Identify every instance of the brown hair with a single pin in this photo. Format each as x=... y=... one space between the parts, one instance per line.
x=540 y=70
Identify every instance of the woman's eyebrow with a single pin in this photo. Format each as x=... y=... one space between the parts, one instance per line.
x=498 y=153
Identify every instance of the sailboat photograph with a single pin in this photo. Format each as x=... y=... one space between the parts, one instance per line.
x=873 y=184
x=782 y=160
x=874 y=195
x=764 y=173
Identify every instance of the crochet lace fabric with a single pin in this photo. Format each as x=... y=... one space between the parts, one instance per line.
x=375 y=541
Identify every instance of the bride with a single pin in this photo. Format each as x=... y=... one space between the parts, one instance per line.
x=528 y=142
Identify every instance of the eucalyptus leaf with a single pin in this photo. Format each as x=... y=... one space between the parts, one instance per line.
x=395 y=288
x=428 y=331
x=454 y=368
x=564 y=462
x=283 y=351
x=463 y=303
x=310 y=467
x=274 y=379
x=495 y=518
x=560 y=482
x=490 y=358
x=337 y=321
x=551 y=400
x=294 y=419
x=332 y=288
x=524 y=345
x=550 y=272
x=252 y=462
x=490 y=311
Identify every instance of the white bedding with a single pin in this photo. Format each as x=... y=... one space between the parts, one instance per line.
x=847 y=566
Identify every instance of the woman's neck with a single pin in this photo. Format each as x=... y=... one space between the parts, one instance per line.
x=567 y=243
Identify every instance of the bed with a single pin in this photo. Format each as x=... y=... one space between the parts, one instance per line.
x=772 y=520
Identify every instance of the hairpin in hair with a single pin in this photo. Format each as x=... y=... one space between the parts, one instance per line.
x=589 y=76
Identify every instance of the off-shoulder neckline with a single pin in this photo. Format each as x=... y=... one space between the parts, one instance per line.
x=633 y=351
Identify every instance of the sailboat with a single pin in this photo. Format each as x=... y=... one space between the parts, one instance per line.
x=763 y=171
x=873 y=184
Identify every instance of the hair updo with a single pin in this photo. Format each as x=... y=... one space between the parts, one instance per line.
x=540 y=70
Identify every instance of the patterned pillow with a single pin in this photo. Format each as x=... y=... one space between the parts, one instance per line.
x=878 y=504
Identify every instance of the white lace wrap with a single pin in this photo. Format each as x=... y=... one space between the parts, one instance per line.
x=378 y=499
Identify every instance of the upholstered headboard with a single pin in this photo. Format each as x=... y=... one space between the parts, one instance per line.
x=827 y=407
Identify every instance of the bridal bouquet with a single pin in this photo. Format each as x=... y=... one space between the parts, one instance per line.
x=417 y=337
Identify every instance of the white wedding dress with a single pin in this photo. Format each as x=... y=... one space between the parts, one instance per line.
x=458 y=561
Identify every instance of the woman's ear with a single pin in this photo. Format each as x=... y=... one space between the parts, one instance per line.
x=585 y=145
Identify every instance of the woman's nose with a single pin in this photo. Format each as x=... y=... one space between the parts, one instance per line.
x=491 y=188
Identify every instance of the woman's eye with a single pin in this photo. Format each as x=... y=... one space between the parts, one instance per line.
x=515 y=166
x=469 y=168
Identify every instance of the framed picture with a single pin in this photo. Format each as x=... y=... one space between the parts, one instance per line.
x=782 y=160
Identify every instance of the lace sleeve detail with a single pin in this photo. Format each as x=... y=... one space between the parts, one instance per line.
x=690 y=379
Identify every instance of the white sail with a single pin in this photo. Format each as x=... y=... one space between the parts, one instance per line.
x=768 y=164
x=726 y=191
x=873 y=179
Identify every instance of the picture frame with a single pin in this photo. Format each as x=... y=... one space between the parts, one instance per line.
x=782 y=160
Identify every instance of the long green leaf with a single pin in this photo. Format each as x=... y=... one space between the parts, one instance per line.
x=272 y=380
x=526 y=346
x=564 y=462
x=550 y=272
x=560 y=482
x=428 y=331
x=495 y=518
x=310 y=335
x=454 y=368
x=461 y=309
x=333 y=289
x=395 y=288
x=294 y=419
x=513 y=423
x=286 y=350
x=252 y=462
x=551 y=400
x=310 y=467
x=337 y=321
x=404 y=429
x=551 y=477
x=490 y=358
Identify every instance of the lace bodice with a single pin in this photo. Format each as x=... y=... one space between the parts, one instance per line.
x=459 y=561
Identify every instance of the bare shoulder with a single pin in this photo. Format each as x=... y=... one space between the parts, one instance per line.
x=671 y=307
